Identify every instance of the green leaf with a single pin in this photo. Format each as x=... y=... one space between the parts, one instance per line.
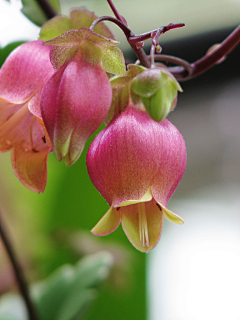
x=89 y=273
x=69 y=290
x=34 y=12
x=65 y=294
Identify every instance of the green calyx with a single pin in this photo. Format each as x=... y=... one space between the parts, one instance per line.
x=79 y=18
x=91 y=46
x=158 y=92
x=122 y=91
x=147 y=83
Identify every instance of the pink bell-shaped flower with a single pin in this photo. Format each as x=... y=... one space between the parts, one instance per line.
x=136 y=164
x=77 y=98
x=22 y=77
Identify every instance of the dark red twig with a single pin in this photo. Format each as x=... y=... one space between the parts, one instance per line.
x=210 y=59
x=148 y=35
x=116 y=13
x=22 y=284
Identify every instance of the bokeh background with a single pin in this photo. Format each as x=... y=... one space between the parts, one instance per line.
x=193 y=273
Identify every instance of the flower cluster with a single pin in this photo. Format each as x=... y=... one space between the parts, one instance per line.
x=54 y=94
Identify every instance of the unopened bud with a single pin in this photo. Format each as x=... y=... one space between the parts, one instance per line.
x=158 y=92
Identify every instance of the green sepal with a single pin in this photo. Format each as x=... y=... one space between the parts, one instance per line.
x=55 y=27
x=76 y=36
x=147 y=83
x=113 y=60
x=122 y=92
x=79 y=18
x=65 y=46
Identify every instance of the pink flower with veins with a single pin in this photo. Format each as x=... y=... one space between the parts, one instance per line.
x=22 y=77
x=77 y=98
x=136 y=164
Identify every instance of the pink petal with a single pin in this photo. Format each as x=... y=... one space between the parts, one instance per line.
x=29 y=156
x=14 y=125
x=30 y=167
x=130 y=225
x=74 y=103
x=24 y=73
x=172 y=166
x=126 y=158
x=108 y=223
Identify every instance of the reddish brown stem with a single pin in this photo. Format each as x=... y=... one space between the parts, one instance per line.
x=209 y=60
x=148 y=35
x=116 y=13
x=32 y=313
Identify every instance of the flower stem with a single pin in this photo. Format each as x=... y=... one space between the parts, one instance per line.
x=150 y=34
x=209 y=60
x=22 y=285
x=47 y=8
x=116 y=13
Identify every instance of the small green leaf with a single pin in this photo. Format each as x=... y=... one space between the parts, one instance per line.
x=69 y=290
x=51 y=293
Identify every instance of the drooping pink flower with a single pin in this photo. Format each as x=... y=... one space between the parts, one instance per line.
x=22 y=77
x=78 y=96
x=136 y=163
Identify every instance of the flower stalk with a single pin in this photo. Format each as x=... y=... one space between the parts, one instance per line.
x=20 y=279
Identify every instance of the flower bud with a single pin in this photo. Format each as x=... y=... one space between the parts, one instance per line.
x=157 y=89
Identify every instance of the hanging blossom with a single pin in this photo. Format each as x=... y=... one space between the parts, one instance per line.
x=136 y=164
x=22 y=77
x=77 y=98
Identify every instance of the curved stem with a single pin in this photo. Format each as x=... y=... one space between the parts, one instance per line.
x=140 y=53
x=47 y=8
x=208 y=60
x=175 y=60
x=128 y=33
x=22 y=285
x=114 y=10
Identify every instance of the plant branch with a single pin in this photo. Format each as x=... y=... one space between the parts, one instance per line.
x=128 y=33
x=47 y=8
x=150 y=34
x=32 y=313
x=209 y=60
x=136 y=41
x=116 y=13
